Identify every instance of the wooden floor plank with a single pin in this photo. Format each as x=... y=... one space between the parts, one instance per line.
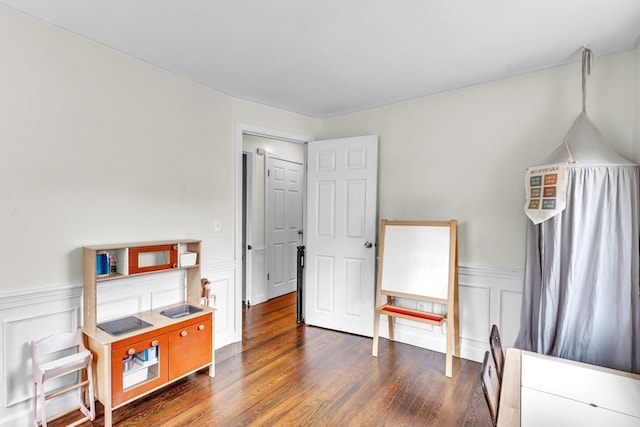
x=289 y=374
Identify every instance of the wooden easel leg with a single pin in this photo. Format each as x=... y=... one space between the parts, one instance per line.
x=453 y=333
x=391 y=335
x=452 y=330
x=376 y=330
x=448 y=371
x=453 y=340
x=456 y=320
x=456 y=305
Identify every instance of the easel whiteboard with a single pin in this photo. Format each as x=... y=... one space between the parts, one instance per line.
x=416 y=259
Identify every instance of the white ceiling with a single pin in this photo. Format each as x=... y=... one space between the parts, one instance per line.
x=330 y=57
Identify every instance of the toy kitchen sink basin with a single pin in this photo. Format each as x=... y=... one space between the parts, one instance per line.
x=180 y=311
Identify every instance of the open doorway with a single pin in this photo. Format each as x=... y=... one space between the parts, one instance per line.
x=272 y=215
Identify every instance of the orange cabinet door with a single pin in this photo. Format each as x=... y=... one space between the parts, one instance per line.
x=190 y=347
x=138 y=367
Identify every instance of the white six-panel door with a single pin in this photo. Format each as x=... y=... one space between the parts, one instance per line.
x=284 y=199
x=339 y=285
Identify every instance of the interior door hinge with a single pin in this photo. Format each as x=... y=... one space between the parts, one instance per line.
x=267 y=276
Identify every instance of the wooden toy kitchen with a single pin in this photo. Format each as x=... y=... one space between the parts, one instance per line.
x=143 y=351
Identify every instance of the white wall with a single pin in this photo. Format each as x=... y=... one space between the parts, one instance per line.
x=463 y=154
x=265 y=117
x=98 y=147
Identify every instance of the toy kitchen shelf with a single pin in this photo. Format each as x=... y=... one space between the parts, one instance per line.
x=145 y=351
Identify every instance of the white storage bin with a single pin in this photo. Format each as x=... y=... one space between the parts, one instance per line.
x=188 y=259
x=134 y=377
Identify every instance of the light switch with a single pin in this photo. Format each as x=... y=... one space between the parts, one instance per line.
x=216 y=225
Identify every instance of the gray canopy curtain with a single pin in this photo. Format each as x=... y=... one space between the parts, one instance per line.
x=581 y=296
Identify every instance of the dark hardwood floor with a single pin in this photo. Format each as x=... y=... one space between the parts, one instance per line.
x=286 y=374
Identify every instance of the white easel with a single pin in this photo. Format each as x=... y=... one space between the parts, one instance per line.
x=418 y=261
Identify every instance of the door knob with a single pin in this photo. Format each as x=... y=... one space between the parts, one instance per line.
x=368 y=245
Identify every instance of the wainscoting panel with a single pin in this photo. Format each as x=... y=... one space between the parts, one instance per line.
x=509 y=320
x=475 y=313
x=25 y=318
x=223 y=287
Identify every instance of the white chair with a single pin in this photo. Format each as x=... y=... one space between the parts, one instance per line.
x=55 y=356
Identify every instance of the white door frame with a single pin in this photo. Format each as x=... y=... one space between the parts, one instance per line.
x=249 y=129
x=248 y=226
